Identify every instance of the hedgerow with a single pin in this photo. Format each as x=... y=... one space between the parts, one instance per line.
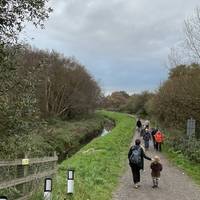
x=189 y=147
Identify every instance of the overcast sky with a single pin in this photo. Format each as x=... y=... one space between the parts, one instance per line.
x=124 y=44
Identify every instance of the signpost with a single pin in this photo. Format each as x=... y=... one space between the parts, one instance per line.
x=191 y=123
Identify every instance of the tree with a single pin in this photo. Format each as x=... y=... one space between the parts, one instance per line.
x=188 y=50
x=138 y=103
x=178 y=98
x=192 y=31
x=14 y=14
x=62 y=86
x=13 y=102
x=116 y=101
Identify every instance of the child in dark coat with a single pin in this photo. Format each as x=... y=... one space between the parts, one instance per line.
x=156 y=168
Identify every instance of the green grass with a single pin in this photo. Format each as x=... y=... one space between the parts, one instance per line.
x=59 y=135
x=191 y=168
x=99 y=164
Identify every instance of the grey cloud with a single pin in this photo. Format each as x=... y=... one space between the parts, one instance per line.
x=117 y=37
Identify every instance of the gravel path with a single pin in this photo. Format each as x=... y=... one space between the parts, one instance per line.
x=173 y=185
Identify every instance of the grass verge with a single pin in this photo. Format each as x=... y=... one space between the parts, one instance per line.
x=99 y=164
x=177 y=158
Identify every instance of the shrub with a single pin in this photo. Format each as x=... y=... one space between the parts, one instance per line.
x=189 y=147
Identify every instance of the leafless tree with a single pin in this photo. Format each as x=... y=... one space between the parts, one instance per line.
x=192 y=31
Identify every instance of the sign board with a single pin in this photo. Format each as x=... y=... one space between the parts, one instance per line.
x=25 y=161
x=191 y=123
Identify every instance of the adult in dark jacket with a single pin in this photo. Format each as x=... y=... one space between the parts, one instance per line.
x=146 y=138
x=139 y=125
x=137 y=167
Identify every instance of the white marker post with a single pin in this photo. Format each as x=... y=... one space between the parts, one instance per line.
x=47 y=188
x=70 y=181
x=3 y=198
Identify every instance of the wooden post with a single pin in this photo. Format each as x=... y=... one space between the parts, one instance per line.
x=55 y=162
x=22 y=173
x=25 y=169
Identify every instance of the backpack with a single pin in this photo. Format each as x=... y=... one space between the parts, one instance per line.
x=159 y=137
x=146 y=136
x=135 y=157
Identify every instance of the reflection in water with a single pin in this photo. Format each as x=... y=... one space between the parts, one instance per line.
x=104 y=132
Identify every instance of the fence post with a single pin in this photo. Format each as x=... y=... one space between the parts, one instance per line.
x=55 y=163
x=23 y=179
x=25 y=163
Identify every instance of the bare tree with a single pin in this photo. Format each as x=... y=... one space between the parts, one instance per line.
x=187 y=51
x=192 y=31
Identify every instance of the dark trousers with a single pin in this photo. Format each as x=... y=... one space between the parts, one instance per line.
x=154 y=143
x=146 y=144
x=158 y=146
x=136 y=173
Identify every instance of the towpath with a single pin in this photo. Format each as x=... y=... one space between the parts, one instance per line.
x=173 y=185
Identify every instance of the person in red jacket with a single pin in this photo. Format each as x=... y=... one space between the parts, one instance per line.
x=159 y=138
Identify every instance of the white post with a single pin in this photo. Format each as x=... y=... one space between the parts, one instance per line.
x=47 y=188
x=70 y=181
x=47 y=195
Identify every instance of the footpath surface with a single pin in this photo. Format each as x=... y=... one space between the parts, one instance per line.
x=173 y=185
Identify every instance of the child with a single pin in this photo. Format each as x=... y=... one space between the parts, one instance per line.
x=146 y=138
x=156 y=167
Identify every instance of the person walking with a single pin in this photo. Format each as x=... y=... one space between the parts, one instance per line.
x=159 y=138
x=153 y=132
x=139 y=125
x=146 y=138
x=142 y=132
x=156 y=168
x=136 y=157
x=146 y=124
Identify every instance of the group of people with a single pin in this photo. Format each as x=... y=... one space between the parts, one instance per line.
x=137 y=154
x=148 y=134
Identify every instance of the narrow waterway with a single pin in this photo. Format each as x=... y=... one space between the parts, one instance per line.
x=106 y=129
x=105 y=132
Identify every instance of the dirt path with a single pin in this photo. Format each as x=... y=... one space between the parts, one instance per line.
x=173 y=185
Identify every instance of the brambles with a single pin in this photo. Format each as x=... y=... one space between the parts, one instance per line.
x=189 y=147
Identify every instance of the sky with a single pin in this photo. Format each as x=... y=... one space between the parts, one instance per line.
x=124 y=44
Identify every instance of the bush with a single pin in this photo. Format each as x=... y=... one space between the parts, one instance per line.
x=189 y=147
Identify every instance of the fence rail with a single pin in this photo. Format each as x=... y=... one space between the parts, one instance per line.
x=19 y=181
x=26 y=171
x=31 y=161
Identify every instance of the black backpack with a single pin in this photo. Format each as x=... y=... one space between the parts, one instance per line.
x=146 y=136
x=135 y=157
